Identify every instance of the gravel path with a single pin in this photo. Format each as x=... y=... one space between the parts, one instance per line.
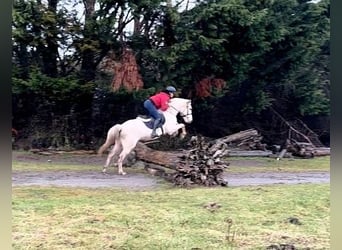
x=142 y=181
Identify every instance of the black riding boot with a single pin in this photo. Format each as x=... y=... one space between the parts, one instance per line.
x=155 y=126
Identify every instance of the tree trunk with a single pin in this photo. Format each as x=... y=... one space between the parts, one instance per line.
x=249 y=153
x=240 y=136
x=321 y=151
x=166 y=159
x=192 y=167
x=50 y=54
x=88 y=66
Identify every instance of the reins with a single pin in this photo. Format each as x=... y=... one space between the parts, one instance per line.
x=187 y=111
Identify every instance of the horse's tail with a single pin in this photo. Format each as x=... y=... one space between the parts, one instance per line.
x=112 y=136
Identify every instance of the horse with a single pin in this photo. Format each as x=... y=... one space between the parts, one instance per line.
x=125 y=136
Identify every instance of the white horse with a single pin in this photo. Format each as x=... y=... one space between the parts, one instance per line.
x=125 y=136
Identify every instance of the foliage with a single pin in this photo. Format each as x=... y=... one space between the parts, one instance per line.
x=267 y=53
x=50 y=109
x=126 y=73
x=257 y=48
x=60 y=91
x=208 y=87
x=40 y=32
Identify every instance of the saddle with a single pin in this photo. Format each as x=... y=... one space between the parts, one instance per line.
x=148 y=121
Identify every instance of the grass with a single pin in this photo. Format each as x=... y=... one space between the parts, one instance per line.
x=174 y=218
x=32 y=166
x=65 y=218
x=265 y=164
x=250 y=164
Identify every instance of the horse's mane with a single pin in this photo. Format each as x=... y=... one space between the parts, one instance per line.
x=178 y=98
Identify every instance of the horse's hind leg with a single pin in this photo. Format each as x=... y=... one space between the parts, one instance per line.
x=115 y=151
x=127 y=147
x=122 y=157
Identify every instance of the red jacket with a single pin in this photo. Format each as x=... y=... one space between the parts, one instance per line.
x=161 y=100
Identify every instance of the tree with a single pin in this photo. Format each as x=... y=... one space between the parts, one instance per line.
x=233 y=57
x=41 y=32
x=105 y=29
x=35 y=36
x=261 y=49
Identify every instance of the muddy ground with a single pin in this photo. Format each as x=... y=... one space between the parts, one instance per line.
x=96 y=179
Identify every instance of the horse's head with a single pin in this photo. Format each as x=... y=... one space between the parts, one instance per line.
x=184 y=108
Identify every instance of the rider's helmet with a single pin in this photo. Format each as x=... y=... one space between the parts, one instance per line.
x=171 y=89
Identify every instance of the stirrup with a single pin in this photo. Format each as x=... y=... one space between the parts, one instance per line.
x=154 y=135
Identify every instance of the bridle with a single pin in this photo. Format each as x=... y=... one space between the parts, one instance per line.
x=188 y=111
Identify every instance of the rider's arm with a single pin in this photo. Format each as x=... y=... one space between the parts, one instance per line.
x=164 y=104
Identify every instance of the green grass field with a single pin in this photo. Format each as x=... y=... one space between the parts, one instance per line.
x=265 y=164
x=172 y=218
x=63 y=218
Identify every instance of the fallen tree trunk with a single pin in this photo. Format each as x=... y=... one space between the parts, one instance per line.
x=238 y=136
x=249 y=153
x=306 y=150
x=321 y=151
x=162 y=158
x=247 y=139
x=195 y=166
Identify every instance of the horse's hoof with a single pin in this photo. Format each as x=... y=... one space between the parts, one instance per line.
x=122 y=173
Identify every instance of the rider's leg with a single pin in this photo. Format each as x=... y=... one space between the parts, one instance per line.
x=155 y=114
x=155 y=126
x=151 y=109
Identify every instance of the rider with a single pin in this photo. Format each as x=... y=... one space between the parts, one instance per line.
x=156 y=103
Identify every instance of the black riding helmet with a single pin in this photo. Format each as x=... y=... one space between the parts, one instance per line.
x=171 y=89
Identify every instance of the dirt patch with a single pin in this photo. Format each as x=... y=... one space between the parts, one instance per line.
x=96 y=179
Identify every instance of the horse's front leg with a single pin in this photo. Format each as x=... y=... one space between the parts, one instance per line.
x=174 y=130
x=183 y=133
